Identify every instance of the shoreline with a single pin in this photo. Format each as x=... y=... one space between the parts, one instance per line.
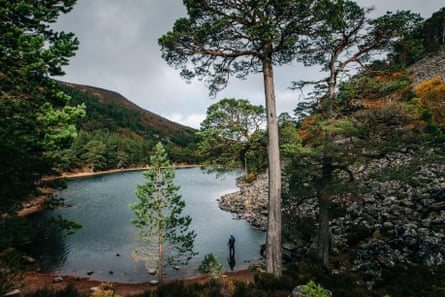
x=34 y=280
x=35 y=204
x=83 y=173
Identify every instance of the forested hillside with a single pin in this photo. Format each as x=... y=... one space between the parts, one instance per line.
x=117 y=133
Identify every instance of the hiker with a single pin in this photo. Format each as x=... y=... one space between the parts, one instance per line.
x=231 y=245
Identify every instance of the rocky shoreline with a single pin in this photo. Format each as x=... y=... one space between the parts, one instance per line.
x=250 y=202
x=393 y=223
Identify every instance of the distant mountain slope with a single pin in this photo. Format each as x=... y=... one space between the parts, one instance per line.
x=110 y=110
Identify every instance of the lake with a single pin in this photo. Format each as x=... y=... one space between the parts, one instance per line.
x=104 y=244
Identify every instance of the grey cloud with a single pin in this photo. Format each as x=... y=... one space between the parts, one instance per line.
x=119 y=51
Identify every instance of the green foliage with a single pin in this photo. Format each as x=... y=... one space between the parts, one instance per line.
x=232 y=135
x=163 y=228
x=368 y=89
x=128 y=133
x=431 y=94
x=426 y=38
x=433 y=29
x=219 y=40
x=36 y=118
x=313 y=289
x=105 y=150
x=211 y=265
x=343 y=36
x=234 y=41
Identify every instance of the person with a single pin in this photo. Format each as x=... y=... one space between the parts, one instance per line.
x=231 y=244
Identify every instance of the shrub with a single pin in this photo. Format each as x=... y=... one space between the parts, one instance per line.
x=211 y=265
x=179 y=288
x=250 y=178
x=313 y=289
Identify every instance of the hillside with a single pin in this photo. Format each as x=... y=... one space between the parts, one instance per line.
x=433 y=65
x=116 y=133
x=110 y=110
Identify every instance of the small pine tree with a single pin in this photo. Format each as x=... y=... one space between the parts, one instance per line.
x=164 y=236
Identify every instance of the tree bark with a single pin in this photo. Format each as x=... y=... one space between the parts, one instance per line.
x=323 y=236
x=324 y=200
x=273 y=241
x=161 y=256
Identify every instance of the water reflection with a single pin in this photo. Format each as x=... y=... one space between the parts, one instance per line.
x=104 y=245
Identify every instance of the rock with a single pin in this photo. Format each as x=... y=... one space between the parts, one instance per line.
x=289 y=246
x=90 y=272
x=29 y=259
x=13 y=293
x=57 y=280
x=152 y=271
x=94 y=289
x=154 y=282
x=438 y=205
x=399 y=223
x=177 y=267
x=250 y=202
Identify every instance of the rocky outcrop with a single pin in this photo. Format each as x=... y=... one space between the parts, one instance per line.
x=250 y=202
x=393 y=222
x=429 y=67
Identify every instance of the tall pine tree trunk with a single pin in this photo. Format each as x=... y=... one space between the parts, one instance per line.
x=273 y=242
x=160 y=229
x=324 y=235
x=324 y=200
x=161 y=255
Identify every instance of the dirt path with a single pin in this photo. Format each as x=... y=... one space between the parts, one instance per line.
x=33 y=281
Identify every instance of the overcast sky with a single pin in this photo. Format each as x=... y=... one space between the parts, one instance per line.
x=119 y=51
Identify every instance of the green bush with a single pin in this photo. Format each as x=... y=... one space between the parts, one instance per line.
x=211 y=265
x=313 y=289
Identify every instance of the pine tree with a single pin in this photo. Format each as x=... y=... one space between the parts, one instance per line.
x=222 y=39
x=164 y=236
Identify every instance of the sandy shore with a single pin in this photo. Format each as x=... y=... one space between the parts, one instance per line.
x=84 y=173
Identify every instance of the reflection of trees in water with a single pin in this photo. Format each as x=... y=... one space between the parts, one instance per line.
x=107 y=230
x=49 y=246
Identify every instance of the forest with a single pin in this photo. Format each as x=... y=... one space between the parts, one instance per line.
x=352 y=134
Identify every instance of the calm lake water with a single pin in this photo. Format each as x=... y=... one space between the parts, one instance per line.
x=104 y=244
